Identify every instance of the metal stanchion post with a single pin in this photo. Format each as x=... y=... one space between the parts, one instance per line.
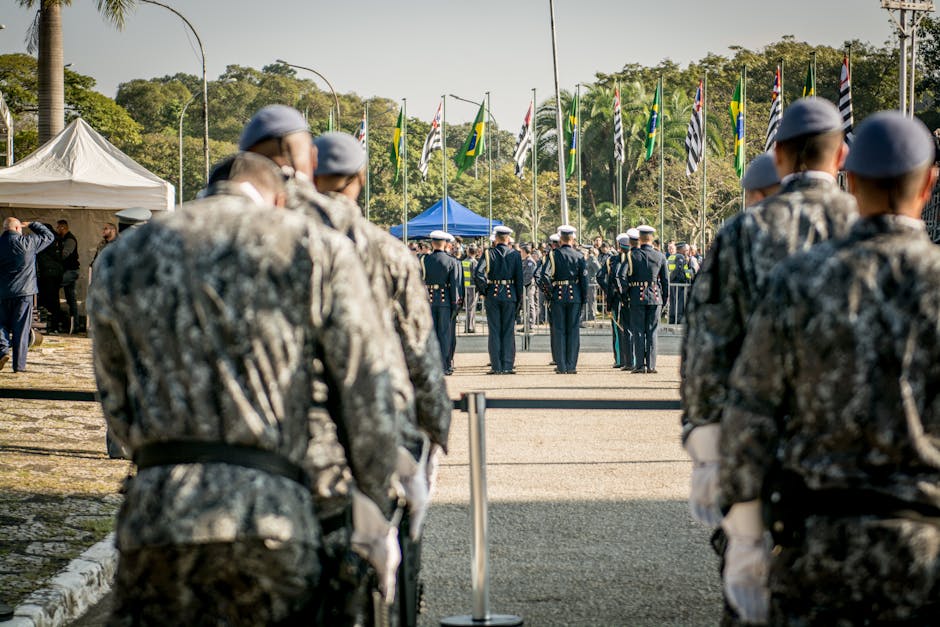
x=479 y=556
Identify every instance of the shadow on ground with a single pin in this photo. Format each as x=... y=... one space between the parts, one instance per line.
x=577 y=563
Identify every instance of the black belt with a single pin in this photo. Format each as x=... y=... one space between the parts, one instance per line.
x=500 y=282
x=192 y=452
x=862 y=503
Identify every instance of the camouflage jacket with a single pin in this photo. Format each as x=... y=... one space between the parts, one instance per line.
x=399 y=293
x=838 y=375
x=225 y=322
x=809 y=209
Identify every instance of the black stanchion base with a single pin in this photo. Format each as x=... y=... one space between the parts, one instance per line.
x=494 y=620
x=6 y=612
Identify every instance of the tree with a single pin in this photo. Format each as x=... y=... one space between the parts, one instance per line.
x=47 y=35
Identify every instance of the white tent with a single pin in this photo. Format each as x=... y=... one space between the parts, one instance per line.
x=81 y=177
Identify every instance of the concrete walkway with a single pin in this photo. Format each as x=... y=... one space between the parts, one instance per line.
x=588 y=521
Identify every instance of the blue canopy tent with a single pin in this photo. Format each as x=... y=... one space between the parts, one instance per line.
x=460 y=221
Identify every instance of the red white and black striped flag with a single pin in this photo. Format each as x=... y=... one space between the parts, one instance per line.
x=619 y=152
x=695 y=137
x=433 y=142
x=776 y=113
x=362 y=133
x=524 y=143
x=845 y=100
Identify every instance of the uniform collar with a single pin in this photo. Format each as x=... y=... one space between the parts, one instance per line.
x=890 y=224
x=807 y=175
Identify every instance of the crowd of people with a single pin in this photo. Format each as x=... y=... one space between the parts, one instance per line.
x=286 y=438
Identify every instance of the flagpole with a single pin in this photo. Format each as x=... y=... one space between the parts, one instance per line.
x=783 y=102
x=563 y=194
x=535 y=172
x=814 y=73
x=368 y=164
x=489 y=161
x=704 y=157
x=619 y=172
x=662 y=179
x=404 y=163
x=578 y=147
x=444 y=157
x=744 y=127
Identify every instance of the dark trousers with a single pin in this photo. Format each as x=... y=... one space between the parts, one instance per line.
x=69 y=280
x=566 y=334
x=16 y=316
x=500 y=318
x=615 y=326
x=644 y=322
x=625 y=341
x=444 y=330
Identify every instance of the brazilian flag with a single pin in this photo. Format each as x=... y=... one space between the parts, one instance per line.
x=473 y=145
x=809 y=85
x=652 y=126
x=737 y=123
x=398 y=145
x=571 y=137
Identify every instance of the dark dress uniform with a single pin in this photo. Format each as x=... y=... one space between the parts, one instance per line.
x=566 y=277
x=443 y=277
x=499 y=278
x=646 y=281
x=607 y=281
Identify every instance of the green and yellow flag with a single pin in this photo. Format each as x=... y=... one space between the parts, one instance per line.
x=571 y=137
x=652 y=126
x=398 y=144
x=809 y=85
x=737 y=123
x=473 y=145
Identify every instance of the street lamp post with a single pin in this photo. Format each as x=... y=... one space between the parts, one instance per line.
x=205 y=84
x=182 y=113
x=328 y=84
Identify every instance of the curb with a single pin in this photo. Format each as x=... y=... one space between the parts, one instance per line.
x=79 y=586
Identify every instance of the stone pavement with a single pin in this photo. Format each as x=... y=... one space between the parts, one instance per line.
x=58 y=488
x=588 y=522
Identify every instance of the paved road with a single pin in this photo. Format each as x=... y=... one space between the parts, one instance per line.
x=588 y=522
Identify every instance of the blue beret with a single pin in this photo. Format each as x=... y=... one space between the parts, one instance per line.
x=761 y=173
x=809 y=116
x=889 y=144
x=271 y=122
x=338 y=153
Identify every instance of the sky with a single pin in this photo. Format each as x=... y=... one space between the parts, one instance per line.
x=421 y=49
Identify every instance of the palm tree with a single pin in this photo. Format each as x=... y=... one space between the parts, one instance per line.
x=46 y=37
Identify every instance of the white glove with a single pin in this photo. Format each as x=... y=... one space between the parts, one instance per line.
x=414 y=481
x=747 y=562
x=702 y=447
x=434 y=462
x=376 y=540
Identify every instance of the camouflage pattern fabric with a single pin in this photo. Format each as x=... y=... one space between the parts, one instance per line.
x=399 y=293
x=250 y=582
x=837 y=383
x=225 y=322
x=809 y=209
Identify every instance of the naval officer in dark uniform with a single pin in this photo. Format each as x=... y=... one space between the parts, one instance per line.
x=444 y=279
x=498 y=277
x=647 y=284
x=566 y=277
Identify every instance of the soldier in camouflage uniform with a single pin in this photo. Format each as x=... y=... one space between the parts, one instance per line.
x=834 y=409
x=809 y=208
x=221 y=333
